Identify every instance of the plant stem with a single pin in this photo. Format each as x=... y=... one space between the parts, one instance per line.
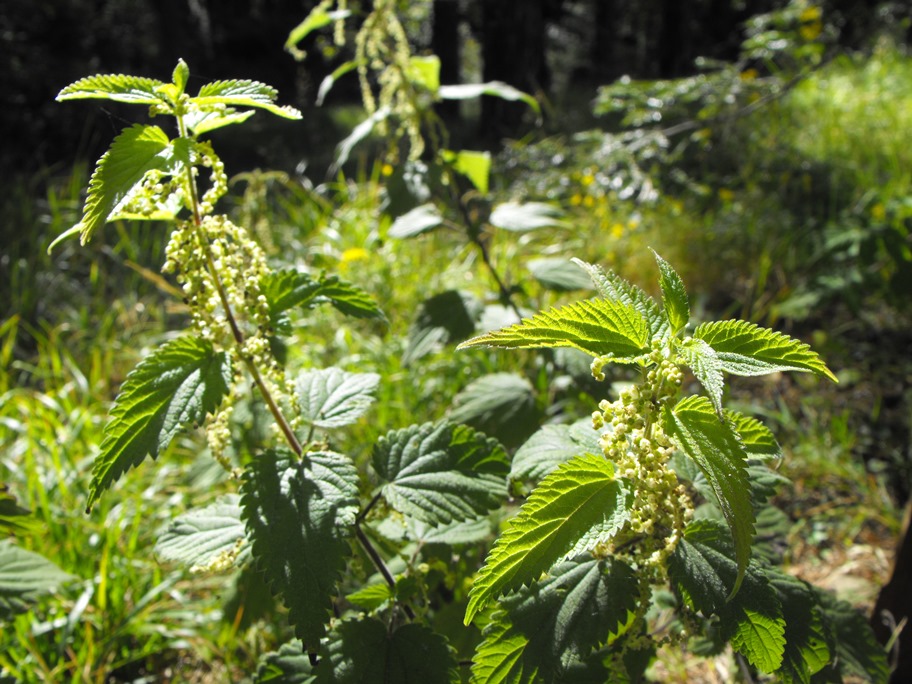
x=380 y=565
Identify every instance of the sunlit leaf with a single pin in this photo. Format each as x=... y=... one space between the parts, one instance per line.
x=331 y=397
x=519 y=217
x=176 y=385
x=711 y=442
x=476 y=166
x=469 y=91
x=419 y=220
x=117 y=87
x=242 y=93
x=674 y=295
x=747 y=349
x=596 y=326
x=579 y=498
x=558 y=274
x=706 y=367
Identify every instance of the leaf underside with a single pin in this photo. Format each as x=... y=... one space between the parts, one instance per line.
x=199 y=537
x=24 y=576
x=299 y=516
x=331 y=397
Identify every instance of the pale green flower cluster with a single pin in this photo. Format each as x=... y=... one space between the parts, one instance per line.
x=640 y=450
x=382 y=47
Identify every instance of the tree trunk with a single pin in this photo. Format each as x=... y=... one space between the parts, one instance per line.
x=894 y=604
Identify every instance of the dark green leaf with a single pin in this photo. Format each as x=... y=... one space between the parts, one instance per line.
x=674 y=295
x=550 y=446
x=444 y=318
x=713 y=445
x=598 y=327
x=501 y=405
x=176 y=385
x=13 y=518
x=368 y=652
x=701 y=570
x=579 y=500
x=806 y=650
x=289 y=665
x=299 y=517
x=288 y=288
x=441 y=472
x=855 y=649
x=331 y=397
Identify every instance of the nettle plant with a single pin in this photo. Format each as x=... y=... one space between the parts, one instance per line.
x=649 y=536
x=639 y=525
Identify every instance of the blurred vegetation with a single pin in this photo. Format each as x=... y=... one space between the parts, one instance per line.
x=796 y=212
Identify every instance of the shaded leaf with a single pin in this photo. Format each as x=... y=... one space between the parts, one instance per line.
x=176 y=385
x=371 y=596
x=855 y=649
x=24 y=576
x=578 y=499
x=806 y=650
x=331 y=397
x=289 y=665
x=299 y=516
x=599 y=327
x=288 y=288
x=441 y=472
x=442 y=319
x=13 y=518
x=713 y=445
x=702 y=568
x=500 y=404
x=747 y=349
x=212 y=537
x=550 y=446
x=368 y=652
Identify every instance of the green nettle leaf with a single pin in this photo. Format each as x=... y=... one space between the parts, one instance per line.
x=289 y=665
x=242 y=93
x=13 y=518
x=747 y=349
x=580 y=498
x=611 y=286
x=372 y=596
x=24 y=576
x=117 y=87
x=706 y=367
x=314 y=21
x=444 y=318
x=368 y=652
x=441 y=472
x=560 y=619
x=476 y=166
x=136 y=151
x=856 y=651
x=521 y=217
x=599 y=327
x=201 y=122
x=674 y=295
x=558 y=274
x=550 y=446
x=501 y=405
x=176 y=385
x=212 y=537
x=713 y=445
x=299 y=516
x=288 y=288
x=180 y=75
x=419 y=220
x=701 y=570
x=331 y=397
x=806 y=650
x=756 y=438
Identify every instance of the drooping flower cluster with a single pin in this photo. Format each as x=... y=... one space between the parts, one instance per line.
x=640 y=449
